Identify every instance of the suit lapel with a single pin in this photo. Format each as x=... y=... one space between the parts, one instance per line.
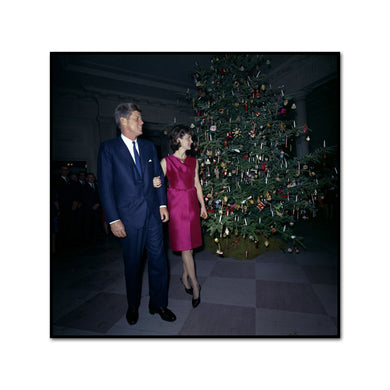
x=142 y=154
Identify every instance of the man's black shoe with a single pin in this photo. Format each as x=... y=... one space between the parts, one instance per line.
x=132 y=316
x=164 y=312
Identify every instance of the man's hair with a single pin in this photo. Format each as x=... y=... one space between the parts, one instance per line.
x=124 y=110
x=177 y=132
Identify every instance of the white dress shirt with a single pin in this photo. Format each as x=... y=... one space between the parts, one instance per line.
x=129 y=143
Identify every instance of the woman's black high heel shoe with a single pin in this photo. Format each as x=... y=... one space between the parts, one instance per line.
x=195 y=302
x=188 y=290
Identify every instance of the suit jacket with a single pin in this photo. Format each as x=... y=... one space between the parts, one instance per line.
x=123 y=193
x=68 y=192
x=89 y=196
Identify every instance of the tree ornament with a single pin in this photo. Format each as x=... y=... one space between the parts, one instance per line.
x=260 y=205
x=266 y=244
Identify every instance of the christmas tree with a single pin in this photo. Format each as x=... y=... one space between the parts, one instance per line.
x=244 y=133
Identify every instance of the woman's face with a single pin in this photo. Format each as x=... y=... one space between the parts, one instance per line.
x=186 y=142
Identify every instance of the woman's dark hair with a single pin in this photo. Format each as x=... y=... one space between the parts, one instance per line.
x=179 y=131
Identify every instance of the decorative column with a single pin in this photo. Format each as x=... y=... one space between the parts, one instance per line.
x=302 y=146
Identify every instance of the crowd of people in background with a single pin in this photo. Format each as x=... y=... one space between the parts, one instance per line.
x=76 y=213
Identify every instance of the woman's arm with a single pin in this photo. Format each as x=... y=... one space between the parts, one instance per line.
x=199 y=192
x=164 y=166
x=157 y=179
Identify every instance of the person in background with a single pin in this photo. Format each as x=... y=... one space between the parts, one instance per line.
x=92 y=209
x=68 y=201
x=82 y=179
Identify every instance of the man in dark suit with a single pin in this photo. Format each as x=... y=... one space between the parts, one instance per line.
x=135 y=209
x=92 y=211
x=68 y=200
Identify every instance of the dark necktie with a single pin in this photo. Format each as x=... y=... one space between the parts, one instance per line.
x=137 y=159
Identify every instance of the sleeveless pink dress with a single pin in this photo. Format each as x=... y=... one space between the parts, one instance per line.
x=183 y=206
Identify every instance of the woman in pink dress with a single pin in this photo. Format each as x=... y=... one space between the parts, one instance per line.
x=184 y=195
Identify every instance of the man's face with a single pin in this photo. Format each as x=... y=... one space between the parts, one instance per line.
x=82 y=175
x=91 y=178
x=132 y=126
x=64 y=171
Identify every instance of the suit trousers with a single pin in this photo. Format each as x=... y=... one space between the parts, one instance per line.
x=150 y=236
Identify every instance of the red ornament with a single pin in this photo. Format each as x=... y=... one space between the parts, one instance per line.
x=225 y=143
x=257 y=93
x=260 y=206
x=245 y=156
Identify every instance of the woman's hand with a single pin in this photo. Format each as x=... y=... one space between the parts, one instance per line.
x=203 y=212
x=157 y=182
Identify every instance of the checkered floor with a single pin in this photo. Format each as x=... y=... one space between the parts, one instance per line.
x=276 y=294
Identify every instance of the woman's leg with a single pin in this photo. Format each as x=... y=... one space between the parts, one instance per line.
x=189 y=271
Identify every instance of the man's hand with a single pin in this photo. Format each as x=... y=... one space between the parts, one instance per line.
x=164 y=214
x=118 y=229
